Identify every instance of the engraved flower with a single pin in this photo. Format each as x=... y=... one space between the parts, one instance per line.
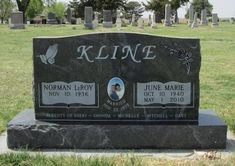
x=187 y=59
x=183 y=56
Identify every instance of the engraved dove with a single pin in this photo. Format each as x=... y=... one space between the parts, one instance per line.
x=50 y=54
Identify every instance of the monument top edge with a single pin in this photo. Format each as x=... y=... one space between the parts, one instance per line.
x=123 y=33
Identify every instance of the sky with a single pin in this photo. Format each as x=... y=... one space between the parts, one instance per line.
x=224 y=8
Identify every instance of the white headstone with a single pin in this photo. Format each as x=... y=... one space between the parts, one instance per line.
x=195 y=22
x=167 y=21
x=96 y=20
x=232 y=20
x=118 y=20
x=154 y=24
x=78 y=21
x=141 y=23
x=133 y=21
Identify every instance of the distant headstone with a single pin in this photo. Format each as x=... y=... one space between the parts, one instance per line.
x=141 y=23
x=150 y=20
x=96 y=20
x=28 y=22
x=9 y=21
x=215 y=20
x=108 y=19
x=116 y=91
x=232 y=20
x=167 y=21
x=154 y=24
x=73 y=21
x=118 y=20
x=88 y=12
x=17 y=20
x=195 y=22
x=51 y=18
x=133 y=20
x=204 y=20
x=69 y=13
x=125 y=22
x=78 y=21
x=191 y=15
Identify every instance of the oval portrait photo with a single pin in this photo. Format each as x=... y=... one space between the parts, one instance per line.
x=116 y=89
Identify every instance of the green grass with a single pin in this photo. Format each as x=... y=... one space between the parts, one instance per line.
x=24 y=159
x=217 y=84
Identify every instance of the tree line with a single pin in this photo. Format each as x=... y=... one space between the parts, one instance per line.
x=32 y=8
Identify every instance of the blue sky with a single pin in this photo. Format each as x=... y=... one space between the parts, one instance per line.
x=224 y=8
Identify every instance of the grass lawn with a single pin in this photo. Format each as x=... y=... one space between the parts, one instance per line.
x=24 y=159
x=217 y=72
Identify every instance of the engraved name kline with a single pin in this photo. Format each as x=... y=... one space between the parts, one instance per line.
x=144 y=52
x=127 y=51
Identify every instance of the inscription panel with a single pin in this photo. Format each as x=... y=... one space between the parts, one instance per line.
x=68 y=93
x=159 y=93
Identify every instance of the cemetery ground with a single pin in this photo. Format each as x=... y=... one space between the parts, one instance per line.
x=217 y=82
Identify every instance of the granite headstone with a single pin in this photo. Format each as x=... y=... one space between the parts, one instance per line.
x=158 y=82
x=167 y=21
x=107 y=15
x=191 y=15
x=69 y=15
x=88 y=12
x=150 y=20
x=215 y=20
x=204 y=20
x=16 y=21
x=116 y=90
x=51 y=18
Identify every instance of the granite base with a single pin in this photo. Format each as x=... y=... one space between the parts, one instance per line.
x=167 y=24
x=17 y=26
x=52 y=21
x=26 y=132
x=89 y=25
x=214 y=25
x=107 y=24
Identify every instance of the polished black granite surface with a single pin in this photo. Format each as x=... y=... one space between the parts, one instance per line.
x=159 y=78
